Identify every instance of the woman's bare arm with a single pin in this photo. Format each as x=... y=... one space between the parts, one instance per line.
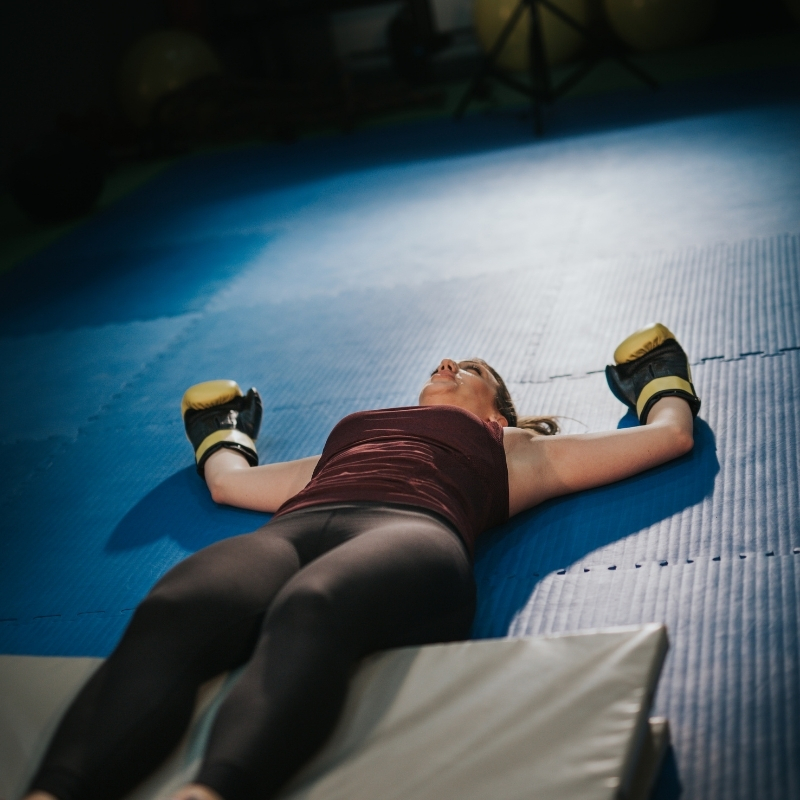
x=232 y=481
x=542 y=467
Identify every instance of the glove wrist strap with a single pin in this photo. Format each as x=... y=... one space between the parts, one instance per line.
x=669 y=383
x=229 y=435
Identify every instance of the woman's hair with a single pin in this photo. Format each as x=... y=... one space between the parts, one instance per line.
x=546 y=426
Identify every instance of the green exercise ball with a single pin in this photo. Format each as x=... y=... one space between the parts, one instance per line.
x=659 y=24
x=158 y=64
x=561 y=42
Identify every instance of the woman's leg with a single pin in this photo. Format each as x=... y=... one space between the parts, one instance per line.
x=404 y=578
x=201 y=618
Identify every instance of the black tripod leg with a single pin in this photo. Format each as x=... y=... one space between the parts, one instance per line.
x=488 y=61
x=576 y=76
x=466 y=98
x=539 y=72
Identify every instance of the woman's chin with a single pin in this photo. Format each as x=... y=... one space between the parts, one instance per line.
x=438 y=394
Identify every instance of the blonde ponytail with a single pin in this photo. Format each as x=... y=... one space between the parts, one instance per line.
x=544 y=426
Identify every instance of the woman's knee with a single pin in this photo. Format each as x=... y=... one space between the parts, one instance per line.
x=177 y=631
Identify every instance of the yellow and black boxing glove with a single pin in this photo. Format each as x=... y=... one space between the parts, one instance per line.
x=216 y=415
x=650 y=364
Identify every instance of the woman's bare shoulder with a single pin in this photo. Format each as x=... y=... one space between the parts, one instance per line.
x=514 y=438
x=525 y=459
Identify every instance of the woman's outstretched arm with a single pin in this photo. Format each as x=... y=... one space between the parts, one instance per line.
x=542 y=467
x=232 y=481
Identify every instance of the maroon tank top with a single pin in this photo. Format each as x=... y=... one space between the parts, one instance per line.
x=440 y=458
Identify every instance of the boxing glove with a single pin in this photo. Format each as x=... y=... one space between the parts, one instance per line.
x=216 y=415
x=649 y=365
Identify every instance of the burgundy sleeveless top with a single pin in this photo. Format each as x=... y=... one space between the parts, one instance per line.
x=440 y=458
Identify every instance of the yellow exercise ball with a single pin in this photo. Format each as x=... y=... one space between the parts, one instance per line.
x=160 y=63
x=561 y=42
x=659 y=24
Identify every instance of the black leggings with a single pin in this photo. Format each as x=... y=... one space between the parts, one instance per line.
x=302 y=600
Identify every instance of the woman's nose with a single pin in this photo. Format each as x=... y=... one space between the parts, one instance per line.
x=447 y=365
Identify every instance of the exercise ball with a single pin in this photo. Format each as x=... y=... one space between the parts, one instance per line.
x=158 y=64
x=659 y=24
x=561 y=42
x=793 y=7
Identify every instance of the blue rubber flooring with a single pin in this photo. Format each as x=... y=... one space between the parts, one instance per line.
x=334 y=274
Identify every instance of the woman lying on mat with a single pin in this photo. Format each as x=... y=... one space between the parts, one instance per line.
x=370 y=548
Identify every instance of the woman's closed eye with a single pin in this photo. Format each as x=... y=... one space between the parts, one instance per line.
x=476 y=368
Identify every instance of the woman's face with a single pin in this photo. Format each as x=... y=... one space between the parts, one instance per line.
x=466 y=384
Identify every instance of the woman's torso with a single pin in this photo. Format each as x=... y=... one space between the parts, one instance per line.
x=440 y=458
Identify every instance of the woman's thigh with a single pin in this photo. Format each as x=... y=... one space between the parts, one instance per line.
x=208 y=609
x=381 y=578
x=240 y=572
x=395 y=577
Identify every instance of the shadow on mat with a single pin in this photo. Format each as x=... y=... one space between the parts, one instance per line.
x=533 y=545
x=181 y=509
x=512 y=559
x=668 y=784
x=71 y=284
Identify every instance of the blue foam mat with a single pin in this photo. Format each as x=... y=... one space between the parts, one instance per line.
x=428 y=212
x=335 y=281
x=726 y=301
x=314 y=361
x=25 y=461
x=735 y=497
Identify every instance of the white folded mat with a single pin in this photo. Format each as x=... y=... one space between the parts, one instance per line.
x=507 y=719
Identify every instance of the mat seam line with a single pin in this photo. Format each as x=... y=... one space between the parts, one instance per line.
x=579 y=572
x=701 y=362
